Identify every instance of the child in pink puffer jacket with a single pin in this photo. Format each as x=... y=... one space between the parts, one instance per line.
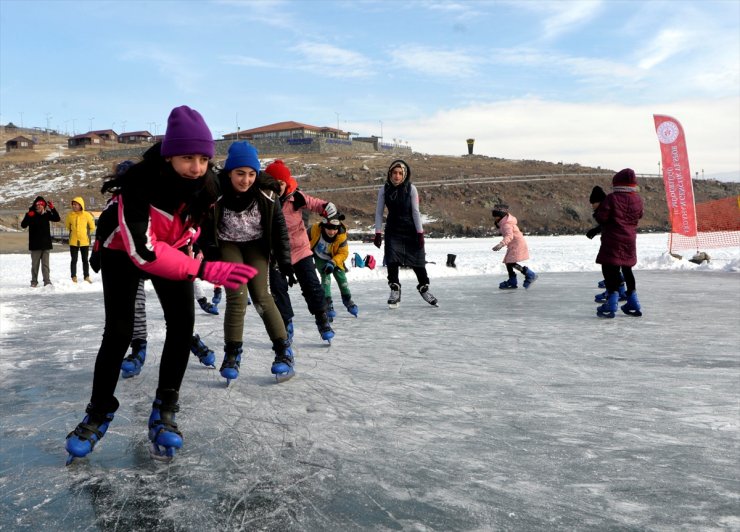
x=516 y=248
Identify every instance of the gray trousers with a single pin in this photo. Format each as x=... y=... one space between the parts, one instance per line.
x=40 y=257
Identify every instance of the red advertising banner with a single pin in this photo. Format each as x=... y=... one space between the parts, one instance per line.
x=679 y=189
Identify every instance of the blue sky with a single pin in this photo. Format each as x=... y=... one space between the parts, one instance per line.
x=557 y=81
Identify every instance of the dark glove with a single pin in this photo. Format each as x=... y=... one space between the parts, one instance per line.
x=593 y=232
x=421 y=240
x=95 y=257
x=328 y=268
x=286 y=269
x=378 y=240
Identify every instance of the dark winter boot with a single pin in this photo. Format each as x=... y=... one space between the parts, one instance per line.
x=232 y=360
x=426 y=295
x=632 y=307
x=132 y=364
x=351 y=307
x=208 y=308
x=163 y=433
x=330 y=312
x=81 y=441
x=529 y=277
x=322 y=322
x=608 y=309
x=206 y=356
x=395 y=298
x=510 y=283
x=282 y=366
x=451 y=260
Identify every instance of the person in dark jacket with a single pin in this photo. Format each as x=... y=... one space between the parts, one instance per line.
x=618 y=215
x=148 y=230
x=404 y=233
x=38 y=220
x=248 y=227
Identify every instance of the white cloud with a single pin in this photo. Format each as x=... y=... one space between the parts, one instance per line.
x=667 y=43
x=175 y=68
x=559 y=17
x=434 y=61
x=333 y=61
x=242 y=60
x=608 y=135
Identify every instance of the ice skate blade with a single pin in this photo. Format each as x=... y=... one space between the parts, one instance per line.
x=633 y=313
x=128 y=374
x=161 y=454
x=601 y=314
x=282 y=377
x=393 y=305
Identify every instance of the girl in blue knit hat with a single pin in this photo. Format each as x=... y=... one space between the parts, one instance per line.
x=151 y=224
x=247 y=227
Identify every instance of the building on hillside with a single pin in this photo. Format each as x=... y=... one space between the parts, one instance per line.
x=84 y=139
x=295 y=137
x=19 y=143
x=108 y=135
x=135 y=137
x=285 y=130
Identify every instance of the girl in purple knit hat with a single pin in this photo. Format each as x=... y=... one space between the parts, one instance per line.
x=618 y=215
x=147 y=230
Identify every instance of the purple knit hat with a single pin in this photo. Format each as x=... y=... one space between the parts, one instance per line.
x=187 y=134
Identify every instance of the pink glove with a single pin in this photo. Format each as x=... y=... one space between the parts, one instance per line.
x=228 y=274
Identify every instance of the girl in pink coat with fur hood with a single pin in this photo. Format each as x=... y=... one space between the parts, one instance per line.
x=516 y=248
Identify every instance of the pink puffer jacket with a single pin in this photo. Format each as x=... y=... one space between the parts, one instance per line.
x=516 y=246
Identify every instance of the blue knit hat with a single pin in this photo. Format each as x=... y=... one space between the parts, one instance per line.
x=242 y=154
x=187 y=134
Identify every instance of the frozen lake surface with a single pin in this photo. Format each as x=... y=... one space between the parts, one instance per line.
x=500 y=410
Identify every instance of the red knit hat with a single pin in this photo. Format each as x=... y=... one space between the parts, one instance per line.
x=279 y=171
x=625 y=178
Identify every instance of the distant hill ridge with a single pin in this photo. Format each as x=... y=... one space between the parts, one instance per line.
x=457 y=193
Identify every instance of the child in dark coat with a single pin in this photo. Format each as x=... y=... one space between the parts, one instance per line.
x=597 y=196
x=618 y=216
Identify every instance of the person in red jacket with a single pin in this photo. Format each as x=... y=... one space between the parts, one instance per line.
x=618 y=215
x=38 y=219
x=148 y=230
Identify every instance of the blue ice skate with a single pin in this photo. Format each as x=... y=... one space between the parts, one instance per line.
x=529 y=278
x=163 y=433
x=208 y=307
x=322 y=322
x=330 y=312
x=81 y=441
x=232 y=360
x=351 y=307
x=509 y=284
x=216 y=299
x=132 y=364
x=608 y=309
x=206 y=356
x=604 y=296
x=282 y=366
x=289 y=329
x=632 y=307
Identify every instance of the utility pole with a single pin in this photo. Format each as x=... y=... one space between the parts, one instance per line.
x=91 y=122
x=48 y=119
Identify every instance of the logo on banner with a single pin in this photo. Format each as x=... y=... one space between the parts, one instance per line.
x=667 y=132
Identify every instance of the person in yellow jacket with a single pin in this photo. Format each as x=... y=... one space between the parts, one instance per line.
x=328 y=240
x=80 y=225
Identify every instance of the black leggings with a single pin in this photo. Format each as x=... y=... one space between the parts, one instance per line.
x=120 y=284
x=420 y=271
x=612 y=279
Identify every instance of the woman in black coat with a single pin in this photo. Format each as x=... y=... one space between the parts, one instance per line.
x=404 y=233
